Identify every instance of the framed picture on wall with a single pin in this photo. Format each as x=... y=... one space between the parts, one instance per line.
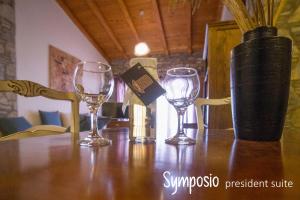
x=61 y=69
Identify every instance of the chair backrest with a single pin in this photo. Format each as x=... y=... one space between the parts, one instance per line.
x=30 y=89
x=211 y=102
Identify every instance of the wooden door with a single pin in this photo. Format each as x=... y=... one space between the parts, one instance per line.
x=221 y=38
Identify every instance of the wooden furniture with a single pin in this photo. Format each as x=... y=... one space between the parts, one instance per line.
x=210 y=102
x=35 y=131
x=118 y=123
x=54 y=167
x=31 y=89
x=114 y=111
x=221 y=37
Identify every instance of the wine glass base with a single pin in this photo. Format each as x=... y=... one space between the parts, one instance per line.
x=180 y=140
x=94 y=142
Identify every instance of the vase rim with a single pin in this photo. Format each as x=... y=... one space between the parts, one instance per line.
x=260 y=32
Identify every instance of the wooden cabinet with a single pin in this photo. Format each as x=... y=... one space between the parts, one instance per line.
x=220 y=39
x=117 y=123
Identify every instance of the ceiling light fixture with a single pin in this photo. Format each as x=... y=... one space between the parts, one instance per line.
x=141 y=49
x=141 y=13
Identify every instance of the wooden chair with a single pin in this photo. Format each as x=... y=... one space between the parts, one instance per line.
x=211 y=102
x=31 y=89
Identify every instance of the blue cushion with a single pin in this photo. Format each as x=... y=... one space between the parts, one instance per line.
x=13 y=125
x=50 y=118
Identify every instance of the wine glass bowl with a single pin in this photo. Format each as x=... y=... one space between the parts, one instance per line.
x=94 y=83
x=182 y=87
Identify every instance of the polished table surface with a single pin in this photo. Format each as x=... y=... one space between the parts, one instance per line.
x=55 y=167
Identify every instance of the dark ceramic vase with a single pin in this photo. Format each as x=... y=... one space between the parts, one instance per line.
x=260 y=78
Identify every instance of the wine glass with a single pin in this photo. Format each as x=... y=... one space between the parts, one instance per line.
x=94 y=83
x=182 y=87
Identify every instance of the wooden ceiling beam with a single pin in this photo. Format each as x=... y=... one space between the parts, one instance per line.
x=95 y=10
x=129 y=19
x=75 y=20
x=160 y=25
x=189 y=27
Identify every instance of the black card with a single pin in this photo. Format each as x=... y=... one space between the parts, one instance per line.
x=142 y=84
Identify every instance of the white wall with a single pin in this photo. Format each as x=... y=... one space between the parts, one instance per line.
x=40 y=23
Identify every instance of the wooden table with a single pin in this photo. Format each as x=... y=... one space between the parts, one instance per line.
x=52 y=167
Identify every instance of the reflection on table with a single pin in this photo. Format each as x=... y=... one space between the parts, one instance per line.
x=54 y=167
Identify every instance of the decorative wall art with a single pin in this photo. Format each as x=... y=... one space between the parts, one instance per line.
x=61 y=69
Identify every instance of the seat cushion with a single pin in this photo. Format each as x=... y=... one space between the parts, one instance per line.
x=50 y=118
x=13 y=125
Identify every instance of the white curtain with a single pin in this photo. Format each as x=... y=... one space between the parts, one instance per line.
x=119 y=89
x=166 y=116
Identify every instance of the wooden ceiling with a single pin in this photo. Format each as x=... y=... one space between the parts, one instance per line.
x=115 y=26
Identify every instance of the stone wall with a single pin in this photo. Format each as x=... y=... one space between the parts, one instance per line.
x=8 y=101
x=288 y=25
x=165 y=62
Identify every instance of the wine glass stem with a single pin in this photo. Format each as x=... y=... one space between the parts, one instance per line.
x=180 y=113
x=94 y=124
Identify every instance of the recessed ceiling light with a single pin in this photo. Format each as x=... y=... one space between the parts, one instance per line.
x=141 y=49
x=142 y=13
